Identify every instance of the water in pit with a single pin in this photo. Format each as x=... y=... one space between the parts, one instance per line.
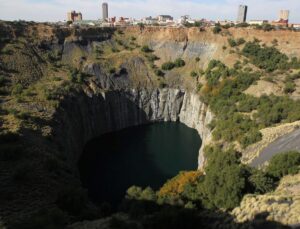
x=144 y=156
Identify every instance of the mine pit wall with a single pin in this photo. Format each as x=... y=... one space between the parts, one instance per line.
x=83 y=117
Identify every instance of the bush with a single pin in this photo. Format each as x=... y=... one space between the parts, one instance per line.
x=179 y=63
x=261 y=182
x=224 y=184
x=217 y=29
x=112 y=70
x=134 y=192
x=17 y=89
x=251 y=137
x=232 y=42
x=267 y=58
x=2 y=81
x=194 y=74
x=152 y=57
x=168 y=66
x=158 y=72
x=241 y=41
x=289 y=87
x=284 y=164
x=146 y=49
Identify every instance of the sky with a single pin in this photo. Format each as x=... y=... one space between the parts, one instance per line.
x=55 y=10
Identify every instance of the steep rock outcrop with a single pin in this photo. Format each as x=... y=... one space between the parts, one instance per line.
x=86 y=116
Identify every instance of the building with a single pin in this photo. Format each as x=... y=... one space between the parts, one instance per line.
x=164 y=18
x=74 y=16
x=149 y=20
x=258 y=22
x=104 y=11
x=242 y=14
x=284 y=15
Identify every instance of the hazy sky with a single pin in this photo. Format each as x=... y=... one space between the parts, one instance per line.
x=55 y=10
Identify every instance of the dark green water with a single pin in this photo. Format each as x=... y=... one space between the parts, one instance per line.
x=144 y=156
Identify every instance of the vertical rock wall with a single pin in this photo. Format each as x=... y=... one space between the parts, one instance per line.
x=82 y=117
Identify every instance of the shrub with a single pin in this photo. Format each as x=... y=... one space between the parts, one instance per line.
x=240 y=41
x=158 y=72
x=267 y=58
x=284 y=164
x=2 y=81
x=146 y=49
x=232 y=42
x=194 y=74
x=114 y=50
x=289 y=87
x=224 y=184
x=152 y=57
x=217 y=29
x=251 y=137
x=179 y=63
x=168 y=66
x=17 y=89
x=176 y=186
x=112 y=70
x=261 y=182
x=148 y=194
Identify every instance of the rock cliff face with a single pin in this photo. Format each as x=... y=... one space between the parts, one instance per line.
x=87 y=116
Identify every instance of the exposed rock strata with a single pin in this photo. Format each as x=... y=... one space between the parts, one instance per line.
x=87 y=116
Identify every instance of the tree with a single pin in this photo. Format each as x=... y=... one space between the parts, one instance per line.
x=225 y=182
x=284 y=163
x=261 y=182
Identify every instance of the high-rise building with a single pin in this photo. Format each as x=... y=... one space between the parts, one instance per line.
x=242 y=14
x=104 y=11
x=74 y=16
x=284 y=15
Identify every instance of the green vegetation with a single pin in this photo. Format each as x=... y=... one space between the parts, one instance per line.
x=217 y=29
x=234 y=43
x=2 y=81
x=268 y=58
x=152 y=57
x=158 y=72
x=178 y=63
x=284 y=164
x=17 y=89
x=224 y=93
x=146 y=49
x=168 y=66
x=289 y=87
x=222 y=187
x=194 y=74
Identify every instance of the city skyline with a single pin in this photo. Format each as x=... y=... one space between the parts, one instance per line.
x=54 y=10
